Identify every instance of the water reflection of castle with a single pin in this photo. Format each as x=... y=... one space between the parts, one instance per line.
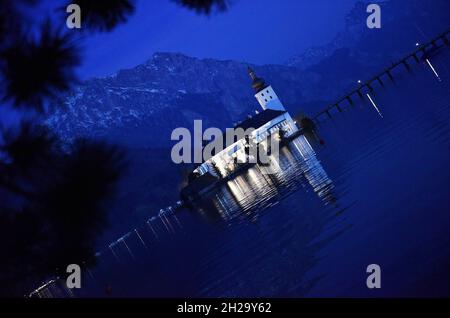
x=249 y=193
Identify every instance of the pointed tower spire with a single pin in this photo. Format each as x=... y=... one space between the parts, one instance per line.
x=258 y=83
x=264 y=93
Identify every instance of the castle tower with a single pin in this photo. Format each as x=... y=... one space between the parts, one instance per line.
x=264 y=93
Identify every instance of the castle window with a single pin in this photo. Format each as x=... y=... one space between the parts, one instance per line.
x=265 y=99
x=270 y=96
x=262 y=94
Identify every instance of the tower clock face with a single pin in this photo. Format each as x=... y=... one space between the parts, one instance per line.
x=225 y=154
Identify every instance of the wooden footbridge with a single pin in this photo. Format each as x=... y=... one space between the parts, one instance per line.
x=420 y=53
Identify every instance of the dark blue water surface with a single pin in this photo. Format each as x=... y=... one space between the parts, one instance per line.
x=377 y=192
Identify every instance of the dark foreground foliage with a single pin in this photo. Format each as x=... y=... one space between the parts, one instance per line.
x=53 y=197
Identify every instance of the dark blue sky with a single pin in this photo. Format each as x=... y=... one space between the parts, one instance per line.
x=256 y=31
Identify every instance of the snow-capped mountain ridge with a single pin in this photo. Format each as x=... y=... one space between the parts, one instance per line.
x=168 y=91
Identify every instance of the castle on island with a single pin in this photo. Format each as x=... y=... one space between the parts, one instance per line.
x=273 y=119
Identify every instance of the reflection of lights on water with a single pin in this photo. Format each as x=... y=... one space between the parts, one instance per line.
x=178 y=221
x=432 y=68
x=152 y=229
x=298 y=149
x=113 y=253
x=310 y=147
x=223 y=209
x=90 y=273
x=126 y=246
x=303 y=147
x=236 y=190
x=374 y=105
x=252 y=192
x=164 y=215
x=165 y=225
x=140 y=238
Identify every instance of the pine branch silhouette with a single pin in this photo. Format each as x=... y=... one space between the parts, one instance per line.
x=54 y=202
x=104 y=15
x=53 y=197
x=204 y=6
x=35 y=70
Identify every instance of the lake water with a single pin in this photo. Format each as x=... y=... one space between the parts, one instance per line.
x=376 y=192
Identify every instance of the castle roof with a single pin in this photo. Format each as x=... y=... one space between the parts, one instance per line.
x=259 y=119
